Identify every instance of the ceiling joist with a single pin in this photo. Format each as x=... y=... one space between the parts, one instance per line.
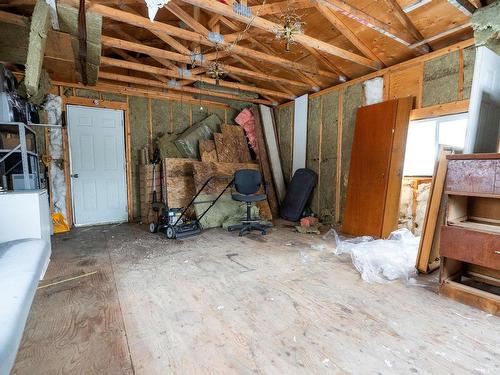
x=191 y=90
x=261 y=23
x=173 y=56
x=162 y=72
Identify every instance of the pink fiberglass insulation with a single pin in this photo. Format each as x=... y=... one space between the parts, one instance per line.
x=246 y=120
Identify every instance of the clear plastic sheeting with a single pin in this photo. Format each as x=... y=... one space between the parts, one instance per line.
x=153 y=6
x=379 y=261
x=374 y=90
x=57 y=179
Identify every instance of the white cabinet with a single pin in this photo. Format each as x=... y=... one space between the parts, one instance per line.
x=25 y=214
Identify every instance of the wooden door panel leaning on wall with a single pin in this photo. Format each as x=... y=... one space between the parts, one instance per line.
x=375 y=171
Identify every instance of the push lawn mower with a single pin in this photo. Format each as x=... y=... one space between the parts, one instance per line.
x=172 y=221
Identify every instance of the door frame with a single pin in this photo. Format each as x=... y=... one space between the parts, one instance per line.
x=96 y=104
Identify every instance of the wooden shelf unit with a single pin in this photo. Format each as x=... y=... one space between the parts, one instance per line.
x=470 y=239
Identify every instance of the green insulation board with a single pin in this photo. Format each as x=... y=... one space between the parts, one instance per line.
x=441 y=80
x=313 y=144
x=353 y=99
x=139 y=137
x=328 y=165
x=181 y=116
x=86 y=93
x=111 y=96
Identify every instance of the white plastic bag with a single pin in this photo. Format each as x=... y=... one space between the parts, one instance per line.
x=380 y=260
x=153 y=6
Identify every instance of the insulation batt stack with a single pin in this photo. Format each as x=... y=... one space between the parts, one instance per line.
x=246 y=120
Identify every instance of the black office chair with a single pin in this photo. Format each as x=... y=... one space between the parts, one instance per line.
x=247 y=183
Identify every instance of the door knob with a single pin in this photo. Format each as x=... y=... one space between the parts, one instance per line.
x=74 y=175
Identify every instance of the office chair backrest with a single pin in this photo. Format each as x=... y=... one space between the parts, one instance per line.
x=247 y=181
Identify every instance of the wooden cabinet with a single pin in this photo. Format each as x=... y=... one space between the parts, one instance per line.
x=376 y=168
x=470 y=240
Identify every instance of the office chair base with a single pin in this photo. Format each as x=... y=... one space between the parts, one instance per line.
x=247 y=227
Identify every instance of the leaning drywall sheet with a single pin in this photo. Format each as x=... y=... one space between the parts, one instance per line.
x=273 y=150
x=139 y=136
x=313 y=144
x=328 y=165
x=353 y=99
x=440 y=80
x=300 y=132
x=285 y=133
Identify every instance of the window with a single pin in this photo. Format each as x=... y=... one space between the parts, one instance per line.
x=426 y=136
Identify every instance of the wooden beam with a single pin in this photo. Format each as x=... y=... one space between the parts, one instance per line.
x=14 y=19
x=138 y=91
x=187 y=18
x=464 y=6
x=126 y=56
x=365 y=19
x=175 y=74
x=275 y=8
x=157 y=52
x=396 y=10
x=82 y=41
x=143 y=22
x=346 y=31
x=261 y=23
x=326 y=62
x=40 y=21
x=442 y=34
x=440 y=110
x=179 y=47
x=193 y=90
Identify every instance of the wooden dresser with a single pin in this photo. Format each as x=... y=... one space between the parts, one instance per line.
x=470 y=239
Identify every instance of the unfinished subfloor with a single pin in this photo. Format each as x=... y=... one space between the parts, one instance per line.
x=220 y=304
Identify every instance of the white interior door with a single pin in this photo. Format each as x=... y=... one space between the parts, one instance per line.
x=484 y=107
x=97 y=151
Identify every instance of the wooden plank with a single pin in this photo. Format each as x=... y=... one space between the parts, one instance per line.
x=440 y=110
x=471 y=296
x=235 y=135
x=208 y=152
x=264 y=163
x=226 y=148
x=427 y=253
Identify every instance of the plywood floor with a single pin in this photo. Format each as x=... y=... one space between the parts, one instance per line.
x=220 y=304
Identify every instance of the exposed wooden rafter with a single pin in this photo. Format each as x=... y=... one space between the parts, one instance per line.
x=162 y=72
x=367 y=20
x=261 y=23
x=346 y=31
x=157 y=52
x=143 y=22
x=192 y=90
